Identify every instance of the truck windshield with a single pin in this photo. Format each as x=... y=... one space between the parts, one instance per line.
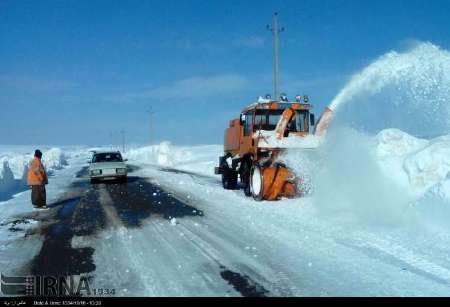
x=107 y=157
x=268 y=120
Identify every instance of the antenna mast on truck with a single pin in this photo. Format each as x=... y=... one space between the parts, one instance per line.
x=276 y=71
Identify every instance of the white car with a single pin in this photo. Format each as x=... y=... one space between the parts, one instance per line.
x=107 y=165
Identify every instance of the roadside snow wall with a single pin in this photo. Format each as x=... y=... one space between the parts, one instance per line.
x=14 y=168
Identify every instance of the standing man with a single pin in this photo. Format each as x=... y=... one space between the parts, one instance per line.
x=37 y=179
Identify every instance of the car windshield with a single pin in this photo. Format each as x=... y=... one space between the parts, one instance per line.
x=268 y=120
x=107 y=157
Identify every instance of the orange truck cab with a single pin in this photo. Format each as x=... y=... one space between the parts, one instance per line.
x=254 y=141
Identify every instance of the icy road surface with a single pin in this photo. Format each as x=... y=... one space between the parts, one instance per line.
x=169 y=232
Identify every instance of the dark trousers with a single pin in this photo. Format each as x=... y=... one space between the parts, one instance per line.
x=38 y=195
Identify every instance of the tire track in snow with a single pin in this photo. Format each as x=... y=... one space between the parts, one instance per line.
x=230 y=256
x=162 y=272
x=158 y=273
x=332 y=239
x=400 y=257
x=222 y=241
x=114 y=222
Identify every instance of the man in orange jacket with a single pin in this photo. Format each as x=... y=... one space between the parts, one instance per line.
x=37 y=179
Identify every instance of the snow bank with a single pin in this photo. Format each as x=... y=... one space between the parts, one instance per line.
x=163 y=154
x=426 y=163
x=430 y=165
x=200 y=159
x=53 y=159
x=376 y=178
x=394 y=142
x=413 y=165
x=14 y=167
x=13 y=164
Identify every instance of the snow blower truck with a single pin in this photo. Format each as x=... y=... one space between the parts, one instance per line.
x=254 y=142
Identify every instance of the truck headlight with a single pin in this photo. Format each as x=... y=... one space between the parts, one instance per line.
x=121 y=171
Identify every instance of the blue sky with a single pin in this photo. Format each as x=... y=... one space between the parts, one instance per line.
x=77 y=72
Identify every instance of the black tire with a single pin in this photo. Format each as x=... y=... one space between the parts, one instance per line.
x=244 y=174
x=229 y=180
x=94 y=181
x=247 y=190
x=257 y=182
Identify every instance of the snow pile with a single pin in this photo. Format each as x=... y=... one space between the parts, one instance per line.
x=376 y=178
x=15 y=164
x=54 y=159
x=14 y=168
x=200 y=159
x=394 y=142
x=163 y=154
x=7 y=180
x=440 y=191
x=425 y=162
x=430 y=165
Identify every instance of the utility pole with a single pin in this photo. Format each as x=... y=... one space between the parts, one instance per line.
x=276 y=30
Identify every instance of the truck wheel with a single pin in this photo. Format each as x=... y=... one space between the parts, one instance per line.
x=257 y=182
x=247 y=190
x=229 y=180
x=245 y=177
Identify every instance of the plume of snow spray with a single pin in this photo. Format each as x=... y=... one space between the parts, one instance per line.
x=350 y=181
x=408 y=90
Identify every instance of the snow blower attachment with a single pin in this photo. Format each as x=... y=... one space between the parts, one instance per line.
x=255 y=140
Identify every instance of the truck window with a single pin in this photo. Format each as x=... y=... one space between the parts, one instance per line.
x=267 y=119
x=299 y=123
x=274 y=118
x=248 y=123
x=260 y=120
